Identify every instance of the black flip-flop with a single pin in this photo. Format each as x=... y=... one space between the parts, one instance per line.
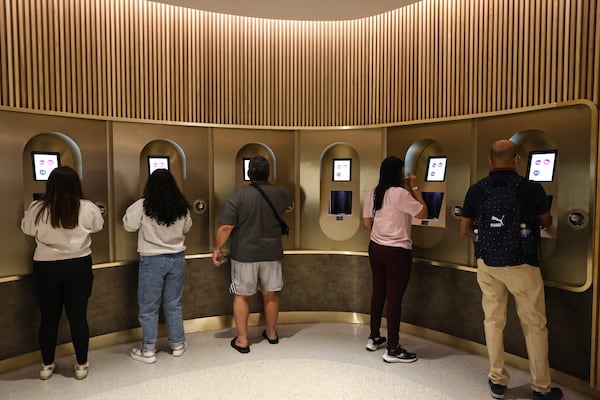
x=272 y=341
x=241 y=349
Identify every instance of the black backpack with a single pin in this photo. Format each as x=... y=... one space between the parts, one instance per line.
x=504 y=237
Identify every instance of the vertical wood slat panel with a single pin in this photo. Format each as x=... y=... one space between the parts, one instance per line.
x=595 y=71
x=4 y=44
x=14 y=70
x=138 y=59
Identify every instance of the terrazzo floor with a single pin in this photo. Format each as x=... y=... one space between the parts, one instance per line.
x=311 y=361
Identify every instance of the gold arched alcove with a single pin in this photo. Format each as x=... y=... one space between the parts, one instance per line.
x=248 y=151
x=171 y=157
x=426 y=158
x=67 y=153
x=340 y=211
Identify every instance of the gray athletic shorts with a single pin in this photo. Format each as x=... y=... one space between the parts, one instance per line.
x=247 y=278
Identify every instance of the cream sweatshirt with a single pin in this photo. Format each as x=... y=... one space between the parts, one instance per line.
x=155 y=239
x=58 y=243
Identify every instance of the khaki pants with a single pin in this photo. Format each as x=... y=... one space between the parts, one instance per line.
x=525 y=283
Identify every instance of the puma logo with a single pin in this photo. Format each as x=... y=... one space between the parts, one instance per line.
x=497 y=222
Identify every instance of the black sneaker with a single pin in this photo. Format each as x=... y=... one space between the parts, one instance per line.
x=496 y=390
x=375 y=343
x=554 y=394
x=399 y=355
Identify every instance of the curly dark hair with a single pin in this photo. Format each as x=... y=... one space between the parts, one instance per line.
x=163 y=201
x=390 y=175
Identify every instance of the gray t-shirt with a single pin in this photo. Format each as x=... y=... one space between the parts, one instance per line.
x=256 y=235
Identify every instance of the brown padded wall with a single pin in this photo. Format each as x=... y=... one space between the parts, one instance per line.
x=442 y=299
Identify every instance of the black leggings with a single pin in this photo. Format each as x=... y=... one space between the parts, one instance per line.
x=68 y=283
x=391 y=267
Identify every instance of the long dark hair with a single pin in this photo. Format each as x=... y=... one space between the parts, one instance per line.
x=62 y=198
x=163 y=201
x=390 y=175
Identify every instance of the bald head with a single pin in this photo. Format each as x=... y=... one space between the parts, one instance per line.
x=503 y=154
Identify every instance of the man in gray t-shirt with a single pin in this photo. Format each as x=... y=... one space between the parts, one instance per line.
x=256 y=249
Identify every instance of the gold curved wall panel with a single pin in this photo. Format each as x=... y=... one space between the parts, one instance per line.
x=432 y=59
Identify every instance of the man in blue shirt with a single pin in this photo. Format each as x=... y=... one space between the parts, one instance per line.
x=521 y=278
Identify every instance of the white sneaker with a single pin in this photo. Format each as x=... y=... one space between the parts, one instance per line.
x=146 y=356
x=375 y=343
x=46 y=371
x=81 y=370
x=179 y=350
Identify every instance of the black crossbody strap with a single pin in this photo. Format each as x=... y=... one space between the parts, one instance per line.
x=281 y=221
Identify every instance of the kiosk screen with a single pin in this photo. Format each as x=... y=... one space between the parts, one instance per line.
x=43 y=164
x=436 y=169
x=434 y=203
x=340 y=202
x=157 y=162
x=342 y=168
x=540 y=165
x=245 y=168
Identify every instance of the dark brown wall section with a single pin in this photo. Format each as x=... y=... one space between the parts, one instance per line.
x=441 y=299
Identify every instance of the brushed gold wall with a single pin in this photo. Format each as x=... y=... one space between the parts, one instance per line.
x=227 y=144
x=431 y=59
x=129 y=140
x=467 y=144
x=16 y=130
x=369 y=144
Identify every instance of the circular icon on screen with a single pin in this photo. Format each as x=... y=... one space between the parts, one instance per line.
x=50 y=162
x=536 y=172
x=538 y=162
x=546 y=161
x=42 y=172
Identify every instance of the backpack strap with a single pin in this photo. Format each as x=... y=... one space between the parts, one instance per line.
x=284 y=227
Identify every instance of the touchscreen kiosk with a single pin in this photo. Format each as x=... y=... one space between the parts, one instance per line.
x=342 y=168
x=43 y=164
x=540 y=165
x=436 y=169
x=246 y=167
x=157 y=162
x=340 y=202
x=434 y=203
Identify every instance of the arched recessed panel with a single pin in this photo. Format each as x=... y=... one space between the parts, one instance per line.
x=340 y=210
x=426 y=159
x=165 y=154
x=39 y=153
x=536 y=147
x=243 y=157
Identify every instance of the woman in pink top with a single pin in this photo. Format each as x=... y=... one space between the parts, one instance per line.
x=388 y=211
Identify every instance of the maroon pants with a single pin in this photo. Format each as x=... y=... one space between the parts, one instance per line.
x=391 y=268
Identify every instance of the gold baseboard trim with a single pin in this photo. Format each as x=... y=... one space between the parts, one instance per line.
x=297 y=317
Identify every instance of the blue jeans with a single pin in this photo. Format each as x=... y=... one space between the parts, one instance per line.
x=161 y=277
